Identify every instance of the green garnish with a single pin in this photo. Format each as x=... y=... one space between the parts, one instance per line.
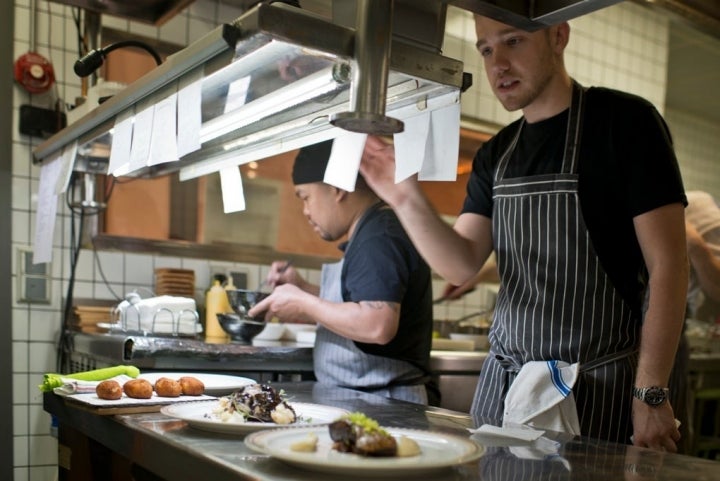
x=369 y=425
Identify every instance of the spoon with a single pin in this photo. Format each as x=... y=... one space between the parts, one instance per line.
x=280 y=271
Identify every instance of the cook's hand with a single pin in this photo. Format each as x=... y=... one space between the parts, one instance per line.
x=654 y=427
x=286 y=303
x=281 y=272
x=378 y=169
x=451 y=291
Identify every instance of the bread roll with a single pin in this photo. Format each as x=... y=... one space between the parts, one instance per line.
x=138 y=389
x=109 y=390
x=191 y=386
x=166 y=387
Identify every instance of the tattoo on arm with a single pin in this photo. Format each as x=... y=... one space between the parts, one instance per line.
x=380 y=304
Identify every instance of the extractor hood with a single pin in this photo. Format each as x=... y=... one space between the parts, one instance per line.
x=280 y=77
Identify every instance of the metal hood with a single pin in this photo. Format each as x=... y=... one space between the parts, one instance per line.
x=280 y=77
x=303 y=76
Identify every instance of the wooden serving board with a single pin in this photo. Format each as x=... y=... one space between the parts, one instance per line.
x=127 y=405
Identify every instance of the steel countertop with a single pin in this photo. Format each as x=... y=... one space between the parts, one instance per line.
x=173 y=450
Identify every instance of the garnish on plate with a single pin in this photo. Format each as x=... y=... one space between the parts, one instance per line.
x=255 y=403
x=359 y=434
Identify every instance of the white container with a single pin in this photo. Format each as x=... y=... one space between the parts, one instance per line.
x=273 y=331
x=292 y=330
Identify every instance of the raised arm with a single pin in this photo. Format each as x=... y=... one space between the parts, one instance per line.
x=455 y=253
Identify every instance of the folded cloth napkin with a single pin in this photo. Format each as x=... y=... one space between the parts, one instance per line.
x=523 y=433
x=541 y=396
x=75 y=386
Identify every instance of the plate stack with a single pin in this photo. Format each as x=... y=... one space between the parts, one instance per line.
x=92 y=318
x=175 y=282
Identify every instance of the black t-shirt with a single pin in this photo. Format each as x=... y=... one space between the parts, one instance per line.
x=627 y=167
x=381 y=264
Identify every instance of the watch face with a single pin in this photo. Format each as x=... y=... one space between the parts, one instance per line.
x=655 y=396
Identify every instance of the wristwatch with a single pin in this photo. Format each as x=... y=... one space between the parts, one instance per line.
x=653 y=395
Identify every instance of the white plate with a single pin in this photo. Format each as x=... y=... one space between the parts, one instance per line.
x=199 y=415
x=438 y=450
x=215 y=384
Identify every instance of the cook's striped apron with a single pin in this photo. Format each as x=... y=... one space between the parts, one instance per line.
x=339 y=362
x=555 y=300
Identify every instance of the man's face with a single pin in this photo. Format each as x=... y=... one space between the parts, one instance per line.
x=519 y=65
x=319 y=206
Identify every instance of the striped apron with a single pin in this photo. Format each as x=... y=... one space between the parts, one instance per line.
x=556 y=302
x=338 y=361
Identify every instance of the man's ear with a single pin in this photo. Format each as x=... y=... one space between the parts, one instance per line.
x=560 y=36
x=340 y=195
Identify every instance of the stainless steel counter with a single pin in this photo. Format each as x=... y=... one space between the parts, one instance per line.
x=277 y=361
x=456 y=372
x=172 y=450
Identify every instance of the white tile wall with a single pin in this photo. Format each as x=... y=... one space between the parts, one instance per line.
x=697 y=143
x=624 y=46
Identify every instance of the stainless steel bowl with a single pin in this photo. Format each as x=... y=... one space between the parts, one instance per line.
x=241 y=329
x=242 y=300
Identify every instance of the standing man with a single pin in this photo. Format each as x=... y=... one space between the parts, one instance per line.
x=582 y=201
x=374 y=310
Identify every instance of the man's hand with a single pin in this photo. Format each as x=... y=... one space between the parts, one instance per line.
x=286 y=303
x=654 y=427
x=378 y=170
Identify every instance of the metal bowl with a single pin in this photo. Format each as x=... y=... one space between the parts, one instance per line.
x=242 y=300
x=240 y=329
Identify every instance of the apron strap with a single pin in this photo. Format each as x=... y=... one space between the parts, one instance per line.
x=512 y=365
x=607 y=359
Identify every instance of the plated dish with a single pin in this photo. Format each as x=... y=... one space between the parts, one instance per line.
x=215 y=384
x=438 y=451
x=200 y=415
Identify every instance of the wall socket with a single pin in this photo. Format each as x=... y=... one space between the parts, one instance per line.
x=33 y=279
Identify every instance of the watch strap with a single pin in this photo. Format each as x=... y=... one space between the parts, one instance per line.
x=652 y=395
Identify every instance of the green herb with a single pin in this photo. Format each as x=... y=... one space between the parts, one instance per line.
x=52 y=380
x=368 y=424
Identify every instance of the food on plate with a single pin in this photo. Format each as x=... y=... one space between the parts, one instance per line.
x=138 y=389
x=166 y=387
x=255 y=402
x=191 y=386
x=406 y=447
x=109 y=389
x=141 y=388
x=357 y=433
x=306 y=445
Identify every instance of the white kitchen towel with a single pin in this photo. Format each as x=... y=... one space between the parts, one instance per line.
x=541 y=396
x=520 y=432
x=76 y=386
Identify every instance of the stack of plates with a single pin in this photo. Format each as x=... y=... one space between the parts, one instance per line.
x=175 y=282
x=88 y=318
